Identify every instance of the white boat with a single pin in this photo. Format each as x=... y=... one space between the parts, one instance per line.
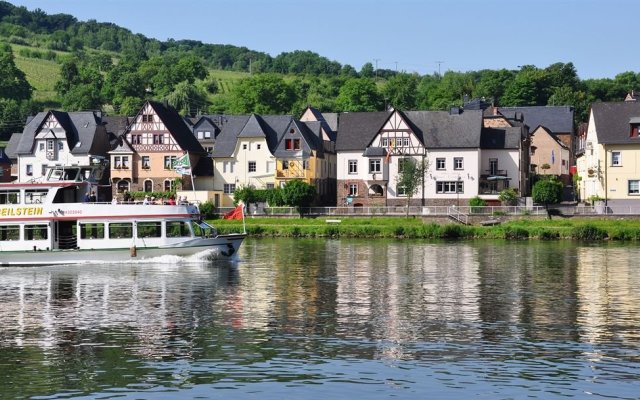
x=48 y=222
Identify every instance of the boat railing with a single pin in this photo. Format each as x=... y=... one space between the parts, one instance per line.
x=68 y=242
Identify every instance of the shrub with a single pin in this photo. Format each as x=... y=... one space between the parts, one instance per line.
x=588 y=232
x=451 y=231
x=476 y=203
x=545 y=234
x=508 y=197
x=514 y=232
x=207 y=209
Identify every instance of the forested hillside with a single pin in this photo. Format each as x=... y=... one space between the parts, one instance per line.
x=56 y=61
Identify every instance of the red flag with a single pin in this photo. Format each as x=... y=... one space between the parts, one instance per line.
x=236 y=213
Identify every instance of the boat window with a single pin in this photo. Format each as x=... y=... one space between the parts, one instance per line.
x=71 y=174
x=56 y=175
x=35 y=232
x=35 y=196
x=9 y=232
x=149 y=229
x=178 y=229
x=91 y=231
x=10 y=197
x=121 y=230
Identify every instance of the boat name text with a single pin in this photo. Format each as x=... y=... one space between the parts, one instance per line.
x=20 y=211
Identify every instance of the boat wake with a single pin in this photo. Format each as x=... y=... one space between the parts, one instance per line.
x=205 y=256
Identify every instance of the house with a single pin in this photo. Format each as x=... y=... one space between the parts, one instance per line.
x=149 y=146
x=608 y=164
x=59 y=138
x=242 y=156
x=5 y=166
x=548 y=151
x=464 y=159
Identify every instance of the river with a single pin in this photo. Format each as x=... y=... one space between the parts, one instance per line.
x=335 y=319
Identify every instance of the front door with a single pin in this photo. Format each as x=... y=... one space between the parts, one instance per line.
x=65 y=235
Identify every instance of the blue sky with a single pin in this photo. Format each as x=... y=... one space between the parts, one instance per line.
x=598 y=36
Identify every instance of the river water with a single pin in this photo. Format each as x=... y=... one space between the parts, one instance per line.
x=334 y=319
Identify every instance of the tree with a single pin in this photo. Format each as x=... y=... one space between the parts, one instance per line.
x=410 y=177
x=547 y=191
x=187 y=99
x=400 y=91
x=13 y=82
x=262 y=94
x=367 y=70
x=299 y=194
x=359 y=94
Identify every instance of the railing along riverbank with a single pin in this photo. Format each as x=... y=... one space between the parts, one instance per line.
x=437 y=211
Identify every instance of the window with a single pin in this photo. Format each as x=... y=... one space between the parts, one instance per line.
x=136 y=139
x=43 y=169
x=384 y=142
x=200 y=134
x=169 y=185
x=178 y=229
x=121 y=230
x=400 y=191
x=117 y=162
x=285 y=165
x=125 y=162
x=146 y=162
x=122 y=185
x=149 y=229
x=634 y=187
x=493 y=166
x=29 y=169
x=244 y=146
x=207 y=135
x=292 y=144
x=169 y=161
x=148 y=186
x=35 y=232
x=60 y=146
x=229 y=188
x=440 y=163
x=35 y=196
x=406 y=142
x=353 y=166
x=147 y=118
x=404 y=161
x=270 y=185
x=158 y=139
x=458 y=163
x=9 y=232
x=305 y=164
x=41 y=146
x=450 y=187
x=353 y=189
x=10 y=197
x=92 y=231
x=375 y=166
x=50 y=144
x=258 y=146
x=252 y=166
x=616 y=160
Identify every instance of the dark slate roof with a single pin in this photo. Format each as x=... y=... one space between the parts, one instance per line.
x=80 y=127
x=178 y=128
x=4 y=158
x=228 y=137
x=559 y=119
x=328 y=128
x=311 y=140
x=375 y=152
x=332 y=120
x=500 y=138
x=357 y=129
x=12 y=145
x=612 y=121
x=441 y=129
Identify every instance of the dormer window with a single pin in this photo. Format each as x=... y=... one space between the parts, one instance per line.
x=634 y=125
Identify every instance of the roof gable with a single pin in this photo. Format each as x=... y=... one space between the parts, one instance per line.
x=613 y=121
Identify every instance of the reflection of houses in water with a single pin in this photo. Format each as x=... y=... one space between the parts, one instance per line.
x=147 y=305
x=438 y=291
x=607 y=290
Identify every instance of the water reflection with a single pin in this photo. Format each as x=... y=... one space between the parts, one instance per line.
x=386 y=318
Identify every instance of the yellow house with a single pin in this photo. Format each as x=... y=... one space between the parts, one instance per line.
x=608 y=161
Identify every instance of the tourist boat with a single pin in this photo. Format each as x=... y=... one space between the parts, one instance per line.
x=49 y=222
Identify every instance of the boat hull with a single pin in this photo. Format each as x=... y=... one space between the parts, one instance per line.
x=222 y=246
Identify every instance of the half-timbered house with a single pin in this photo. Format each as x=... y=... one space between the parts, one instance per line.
x=155 y=138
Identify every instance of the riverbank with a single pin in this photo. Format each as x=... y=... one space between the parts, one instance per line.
x=415 y=228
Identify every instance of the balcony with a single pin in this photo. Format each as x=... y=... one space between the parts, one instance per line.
x=493 y=183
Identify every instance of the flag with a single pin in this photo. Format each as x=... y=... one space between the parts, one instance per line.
x=236 y=213
x=392 y=144
x=553 y=157
x=182 y=165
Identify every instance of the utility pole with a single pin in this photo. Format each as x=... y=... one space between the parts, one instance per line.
x=376 y=60
x=439 y=63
